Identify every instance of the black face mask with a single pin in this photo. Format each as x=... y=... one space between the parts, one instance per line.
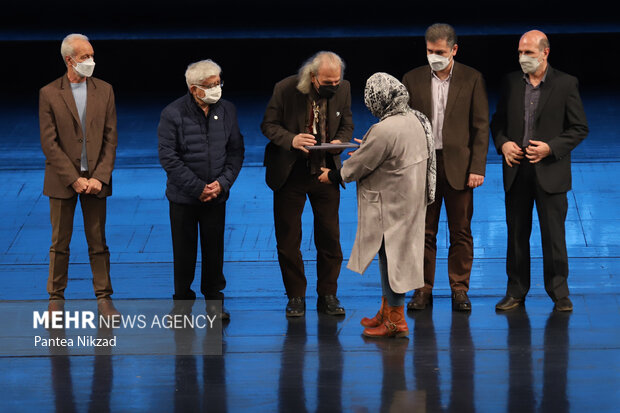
x=327 y=91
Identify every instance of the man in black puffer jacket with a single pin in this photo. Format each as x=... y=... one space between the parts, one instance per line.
x=201 y=148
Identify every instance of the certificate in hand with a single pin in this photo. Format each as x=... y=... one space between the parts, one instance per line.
x=328 y=146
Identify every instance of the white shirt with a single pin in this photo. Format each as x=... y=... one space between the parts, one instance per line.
x=439 y=91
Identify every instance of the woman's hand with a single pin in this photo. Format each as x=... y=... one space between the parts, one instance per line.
x=358 y=141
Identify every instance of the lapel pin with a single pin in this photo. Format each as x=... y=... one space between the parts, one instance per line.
x=215 y=117
x=337 y=113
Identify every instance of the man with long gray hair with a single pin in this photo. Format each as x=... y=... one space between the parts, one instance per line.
x=308 y=109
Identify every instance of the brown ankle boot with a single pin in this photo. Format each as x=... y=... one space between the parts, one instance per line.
x=394 y=324
x=376 y=320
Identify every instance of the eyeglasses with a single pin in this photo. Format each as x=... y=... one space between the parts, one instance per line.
x=211 y=86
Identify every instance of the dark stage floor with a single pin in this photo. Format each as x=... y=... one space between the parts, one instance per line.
x=527 y=360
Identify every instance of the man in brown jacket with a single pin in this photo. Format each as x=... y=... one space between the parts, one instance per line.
x=77 y=120
x=453 y=97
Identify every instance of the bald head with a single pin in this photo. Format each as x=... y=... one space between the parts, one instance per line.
x=533 y=53
x=535 y=37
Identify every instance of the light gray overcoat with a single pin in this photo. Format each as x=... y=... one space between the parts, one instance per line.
x=390 y=170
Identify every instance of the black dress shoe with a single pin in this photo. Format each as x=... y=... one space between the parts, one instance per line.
x=420 y=300
x=563 y=304
x=329 y=304
x=460 y=301
x=296 y=307
x=181 y=307
x=508 y=303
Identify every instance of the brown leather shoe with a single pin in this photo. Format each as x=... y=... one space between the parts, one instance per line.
x=563 y=304
x=106 y=308
x=377 y=319
x=460 y=301
x=420 y=300
x=54 y=306
x=508 y=303
x=394 y=324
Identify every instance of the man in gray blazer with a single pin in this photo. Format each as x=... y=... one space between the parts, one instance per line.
x=77 y=119
x=307 y=109
x=454 y=98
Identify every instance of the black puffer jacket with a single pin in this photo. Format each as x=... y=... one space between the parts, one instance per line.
x=196 y=150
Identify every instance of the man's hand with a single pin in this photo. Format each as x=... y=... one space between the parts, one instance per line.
x=474 y=180
x=211 y=191
x=80 y=185
x=537 y=150
x=324 y=177
x=303 y=139
x=512 y=153
x=94 y=186
x=335 y=151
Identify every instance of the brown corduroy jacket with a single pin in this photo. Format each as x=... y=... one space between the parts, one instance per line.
x=61 y=136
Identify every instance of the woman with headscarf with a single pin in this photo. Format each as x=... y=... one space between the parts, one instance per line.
x=395 y=172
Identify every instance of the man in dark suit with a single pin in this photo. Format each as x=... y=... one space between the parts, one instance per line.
x=538 y=122
x=308 y=109
x=454 y=98
x=77 y=119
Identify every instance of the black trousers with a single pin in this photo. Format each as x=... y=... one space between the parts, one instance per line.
x=186 y=221
x=288 y=205
x=551 y=208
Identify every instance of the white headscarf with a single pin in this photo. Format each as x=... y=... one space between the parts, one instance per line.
x=385 y=96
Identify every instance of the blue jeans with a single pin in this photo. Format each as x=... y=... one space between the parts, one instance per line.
x=393 y=299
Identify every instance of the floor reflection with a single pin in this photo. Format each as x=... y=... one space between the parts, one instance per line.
x=521 y=396
x=521 y=391
x=187 y=396
x=425 y=360
x=291 y=391
x=555 y=368
x=339 y=370
x=329 y=382
x=62 y=380
x=394 y=394
x=462 y=363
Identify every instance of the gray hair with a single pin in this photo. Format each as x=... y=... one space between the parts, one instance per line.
x=197 y=72
x=66 y=47
x=311 y=67
x=544 y=44
x=441 y=31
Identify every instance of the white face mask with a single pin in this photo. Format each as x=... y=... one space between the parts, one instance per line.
x=437 y=62
x=85 y=68
x=529 y=64
x=212 y=95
